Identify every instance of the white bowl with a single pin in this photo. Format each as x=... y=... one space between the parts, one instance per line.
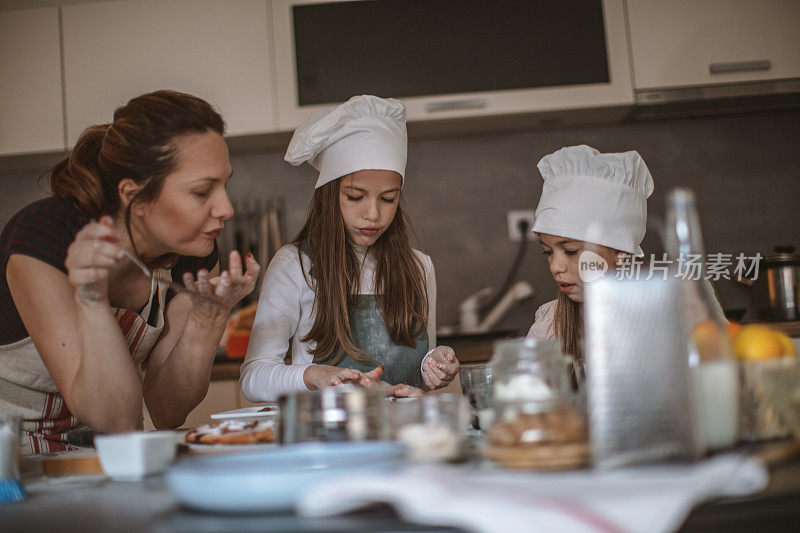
x=132 y=456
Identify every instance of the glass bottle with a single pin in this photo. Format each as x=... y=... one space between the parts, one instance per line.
x=713 y=366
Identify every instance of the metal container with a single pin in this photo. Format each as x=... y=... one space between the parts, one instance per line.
x=775 y=290
x=641 y=406
x=347 y=413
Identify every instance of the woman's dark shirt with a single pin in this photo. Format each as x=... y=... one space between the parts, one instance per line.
x=44 y=230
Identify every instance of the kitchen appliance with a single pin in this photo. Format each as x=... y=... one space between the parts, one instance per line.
x=324 y=55
x=641 y=406
x=775 y=288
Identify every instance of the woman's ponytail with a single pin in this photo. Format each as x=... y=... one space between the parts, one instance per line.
x=79 y=177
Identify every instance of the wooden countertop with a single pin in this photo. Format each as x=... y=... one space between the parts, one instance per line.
x=790 y=327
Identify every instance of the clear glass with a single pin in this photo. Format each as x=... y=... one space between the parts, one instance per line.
x=476 y=385
x=529 y=370
x=713 y=366
x=10 y=433
x=431 y=427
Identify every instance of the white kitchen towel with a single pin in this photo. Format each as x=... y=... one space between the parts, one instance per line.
x=644 y=499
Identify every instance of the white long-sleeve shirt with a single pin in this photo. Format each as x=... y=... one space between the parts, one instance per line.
x=285 y=312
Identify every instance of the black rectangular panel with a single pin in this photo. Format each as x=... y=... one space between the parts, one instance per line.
x=404 y=48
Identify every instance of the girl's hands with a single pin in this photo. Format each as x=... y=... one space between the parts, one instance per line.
x=440 y=367
x=90 y=259
x=227 y=289
x=401 y=390
x=319 y=376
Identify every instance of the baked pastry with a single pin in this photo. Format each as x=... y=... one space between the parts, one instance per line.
x=559 y=425
x=233 y=432
x=548 y=440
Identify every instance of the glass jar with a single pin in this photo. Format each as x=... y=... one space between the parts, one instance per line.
x=431 y=427
x=538 y=422
x=529 y=369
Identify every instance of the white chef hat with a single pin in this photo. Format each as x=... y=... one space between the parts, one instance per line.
x=594 y=197
x=364 y=133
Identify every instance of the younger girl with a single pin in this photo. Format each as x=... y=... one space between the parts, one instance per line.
x=350 y=296
x=590 y=202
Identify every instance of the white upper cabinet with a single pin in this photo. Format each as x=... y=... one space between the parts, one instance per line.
x=218 y=50
x=451 y=59
x=31 y=112
x=682 y=43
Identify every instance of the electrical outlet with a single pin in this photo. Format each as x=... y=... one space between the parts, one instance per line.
x=514 y=218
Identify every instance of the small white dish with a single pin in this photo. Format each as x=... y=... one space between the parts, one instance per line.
x=132 y=456
x=249 y=414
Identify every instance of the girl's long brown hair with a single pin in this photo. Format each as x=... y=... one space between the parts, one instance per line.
x=568 y=328
x=335 y=276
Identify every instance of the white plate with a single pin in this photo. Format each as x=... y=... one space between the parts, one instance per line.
x=274 y=480
x=249 y=414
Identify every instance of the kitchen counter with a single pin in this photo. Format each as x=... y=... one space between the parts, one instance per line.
x=94 y=503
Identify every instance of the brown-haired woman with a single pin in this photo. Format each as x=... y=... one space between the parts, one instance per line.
x=350 y=293
x=79 y=321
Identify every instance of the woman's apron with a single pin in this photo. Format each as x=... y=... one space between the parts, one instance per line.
x=401 y=364
x=27 y=390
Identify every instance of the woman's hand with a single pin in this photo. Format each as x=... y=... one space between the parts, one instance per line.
x=440 y=367
x=90 y=259
x=227 y=289
x=319 y=376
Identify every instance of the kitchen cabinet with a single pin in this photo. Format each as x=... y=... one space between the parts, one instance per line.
x=217 y=50
x=31 y=112
x=684 y=43
x=450 y=59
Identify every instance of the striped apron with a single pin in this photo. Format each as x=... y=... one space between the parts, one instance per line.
x=27 y=390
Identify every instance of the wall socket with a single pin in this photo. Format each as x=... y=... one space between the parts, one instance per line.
x=514 y=217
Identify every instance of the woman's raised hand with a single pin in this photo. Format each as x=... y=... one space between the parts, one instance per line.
x=90 y=259
x=227 y=289
x=439 y=367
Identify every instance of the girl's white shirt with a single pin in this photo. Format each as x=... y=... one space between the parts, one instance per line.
x=285 y=312
x=544 y=318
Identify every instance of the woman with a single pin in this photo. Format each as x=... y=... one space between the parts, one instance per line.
x=355 y=301
x=79 y=319
x=591 y=202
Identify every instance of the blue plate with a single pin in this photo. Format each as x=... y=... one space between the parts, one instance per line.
x=272 y=480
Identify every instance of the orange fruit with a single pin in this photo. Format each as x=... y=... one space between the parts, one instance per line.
x=789 y=349
x=708 y=337
x=733 y=329
x=756 y=342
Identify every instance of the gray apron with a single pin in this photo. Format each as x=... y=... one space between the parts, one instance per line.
x=401 y=364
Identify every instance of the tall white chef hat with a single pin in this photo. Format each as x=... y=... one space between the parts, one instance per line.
x=364 y=133
x=594 y=197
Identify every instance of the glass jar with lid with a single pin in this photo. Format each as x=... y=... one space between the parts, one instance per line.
x=529 y=370
x=538 y=422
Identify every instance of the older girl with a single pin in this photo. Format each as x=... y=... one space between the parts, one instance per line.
x=350 y=296
x=79 y=320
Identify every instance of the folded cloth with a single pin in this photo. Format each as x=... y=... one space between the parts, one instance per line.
x=642 y=499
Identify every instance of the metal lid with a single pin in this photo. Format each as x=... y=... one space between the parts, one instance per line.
x=784 y=256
